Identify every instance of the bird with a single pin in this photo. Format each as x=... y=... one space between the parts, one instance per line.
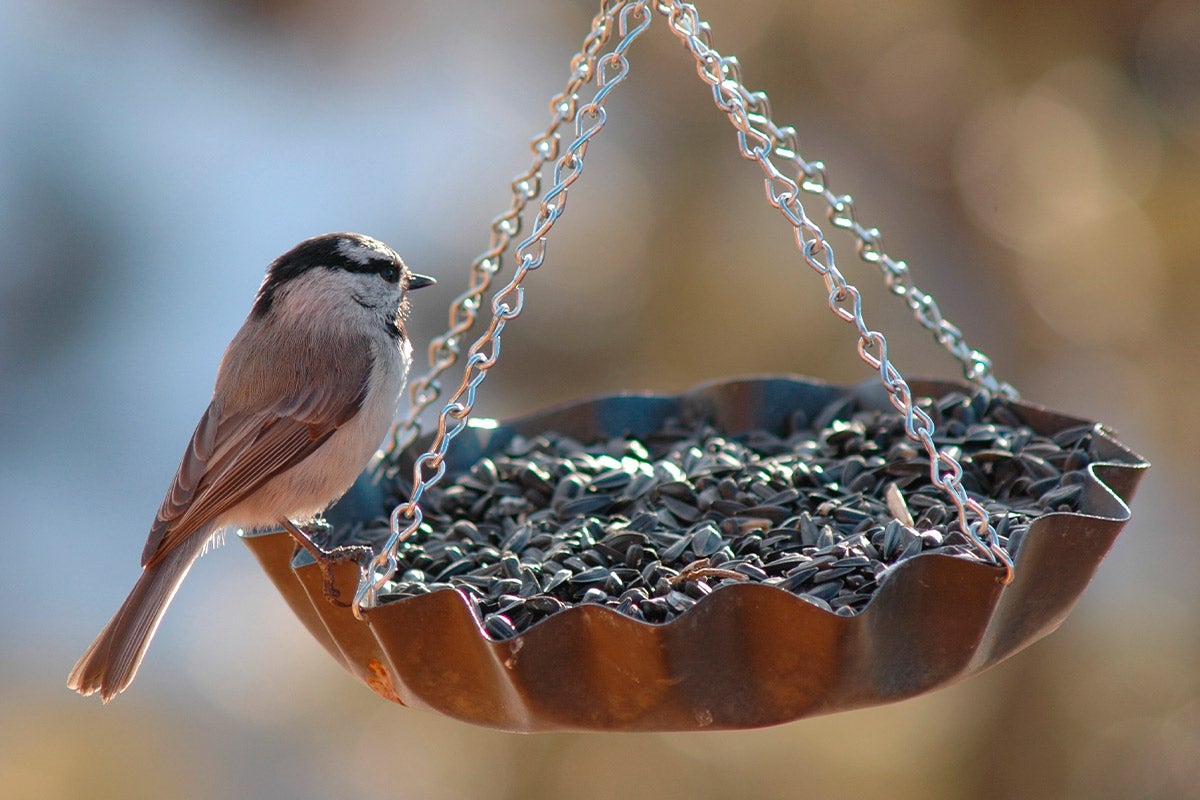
x=305 y=393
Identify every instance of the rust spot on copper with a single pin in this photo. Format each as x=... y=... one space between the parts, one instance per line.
x=381 y=681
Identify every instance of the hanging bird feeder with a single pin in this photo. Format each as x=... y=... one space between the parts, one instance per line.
x=750 y=552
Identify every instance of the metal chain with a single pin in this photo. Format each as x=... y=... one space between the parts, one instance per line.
x=745 y=109
x=444 y=349
x=977 y=367
x=729 y=95
x=508 y=302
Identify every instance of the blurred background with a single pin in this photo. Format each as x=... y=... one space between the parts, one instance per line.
x=1036 y=164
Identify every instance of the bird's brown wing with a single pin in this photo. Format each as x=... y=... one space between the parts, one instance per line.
x=232 y=453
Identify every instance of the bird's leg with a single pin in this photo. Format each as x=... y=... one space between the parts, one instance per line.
x=325 y=558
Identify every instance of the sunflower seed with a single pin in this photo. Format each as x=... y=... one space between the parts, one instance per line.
x=650 y=525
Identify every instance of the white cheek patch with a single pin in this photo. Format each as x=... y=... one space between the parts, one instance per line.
x=374 y=290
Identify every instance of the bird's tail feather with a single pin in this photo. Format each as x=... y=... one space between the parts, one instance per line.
x=109 y=664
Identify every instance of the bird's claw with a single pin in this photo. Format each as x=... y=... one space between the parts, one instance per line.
x=326 y=558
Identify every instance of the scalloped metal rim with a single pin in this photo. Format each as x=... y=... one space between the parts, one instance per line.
x=747 y=655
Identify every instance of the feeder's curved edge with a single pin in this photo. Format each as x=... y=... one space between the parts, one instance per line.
x=1120 y=470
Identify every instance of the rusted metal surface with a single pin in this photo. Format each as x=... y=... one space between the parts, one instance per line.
x=748 y=655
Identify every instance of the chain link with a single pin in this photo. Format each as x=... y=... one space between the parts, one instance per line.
x=730 y=96
x=444 y=349
x=610 y=71
x=976 y=367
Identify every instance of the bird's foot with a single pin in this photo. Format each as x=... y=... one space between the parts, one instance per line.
x=327 y=557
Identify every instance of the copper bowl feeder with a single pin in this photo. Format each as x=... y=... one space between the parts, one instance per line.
x=748 y=655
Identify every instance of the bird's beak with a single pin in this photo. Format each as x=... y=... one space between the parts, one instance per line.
x=418 y=281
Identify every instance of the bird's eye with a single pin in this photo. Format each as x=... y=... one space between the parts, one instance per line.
x=390 y=274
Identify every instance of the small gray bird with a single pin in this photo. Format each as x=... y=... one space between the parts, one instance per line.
x=305 y=393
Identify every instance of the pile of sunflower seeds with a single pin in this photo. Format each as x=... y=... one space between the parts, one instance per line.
x=824 y=509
